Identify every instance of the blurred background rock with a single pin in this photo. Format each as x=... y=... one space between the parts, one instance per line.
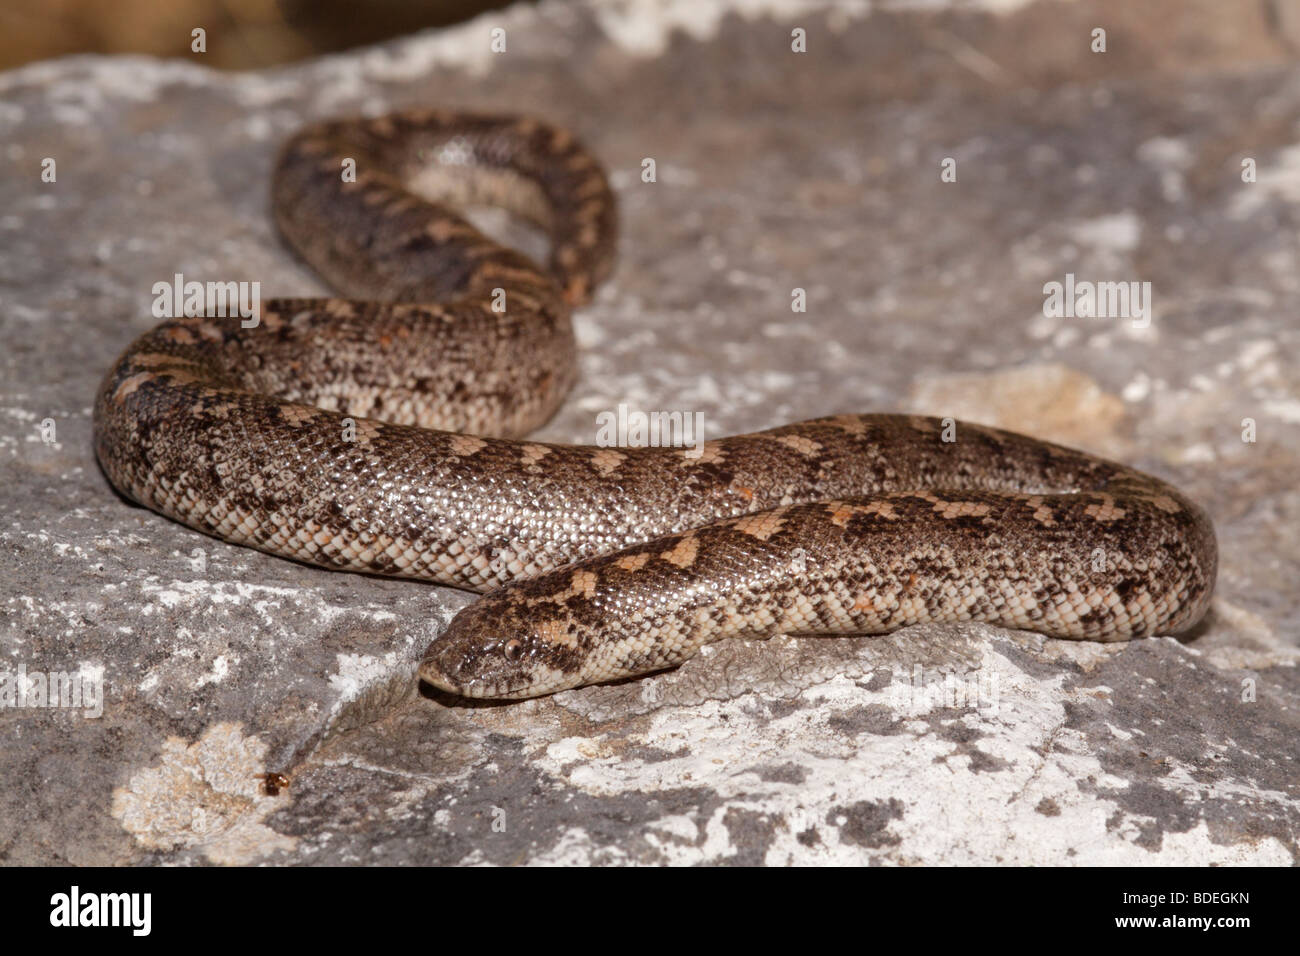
x=241 y=34
x=248 y=34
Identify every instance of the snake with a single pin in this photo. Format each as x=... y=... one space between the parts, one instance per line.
x=384 y=430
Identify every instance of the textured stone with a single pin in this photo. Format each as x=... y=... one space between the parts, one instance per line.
x=961 y=744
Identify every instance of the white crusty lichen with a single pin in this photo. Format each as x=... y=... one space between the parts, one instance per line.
x=206 y=795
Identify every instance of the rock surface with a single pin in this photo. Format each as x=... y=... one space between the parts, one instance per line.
x=776 y=171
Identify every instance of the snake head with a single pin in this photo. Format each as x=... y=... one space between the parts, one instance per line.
x=504 y=648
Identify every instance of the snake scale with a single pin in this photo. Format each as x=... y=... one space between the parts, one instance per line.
x=380 y=432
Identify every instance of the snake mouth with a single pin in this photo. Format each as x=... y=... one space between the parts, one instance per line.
x=463 y=676
x=455 y=675
x=435 y=675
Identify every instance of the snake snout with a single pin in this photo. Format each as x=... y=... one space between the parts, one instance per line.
x=490 y=651
x=440 y=671
x=451 y=666
x=472 y=659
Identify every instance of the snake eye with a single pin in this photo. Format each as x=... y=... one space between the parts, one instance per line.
x=513 y=650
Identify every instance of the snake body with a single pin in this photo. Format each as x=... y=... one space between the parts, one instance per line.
x=378 y=432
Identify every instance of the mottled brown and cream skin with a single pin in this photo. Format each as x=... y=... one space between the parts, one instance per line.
x=377 y=433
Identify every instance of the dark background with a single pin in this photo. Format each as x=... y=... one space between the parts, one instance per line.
x=241 y=34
